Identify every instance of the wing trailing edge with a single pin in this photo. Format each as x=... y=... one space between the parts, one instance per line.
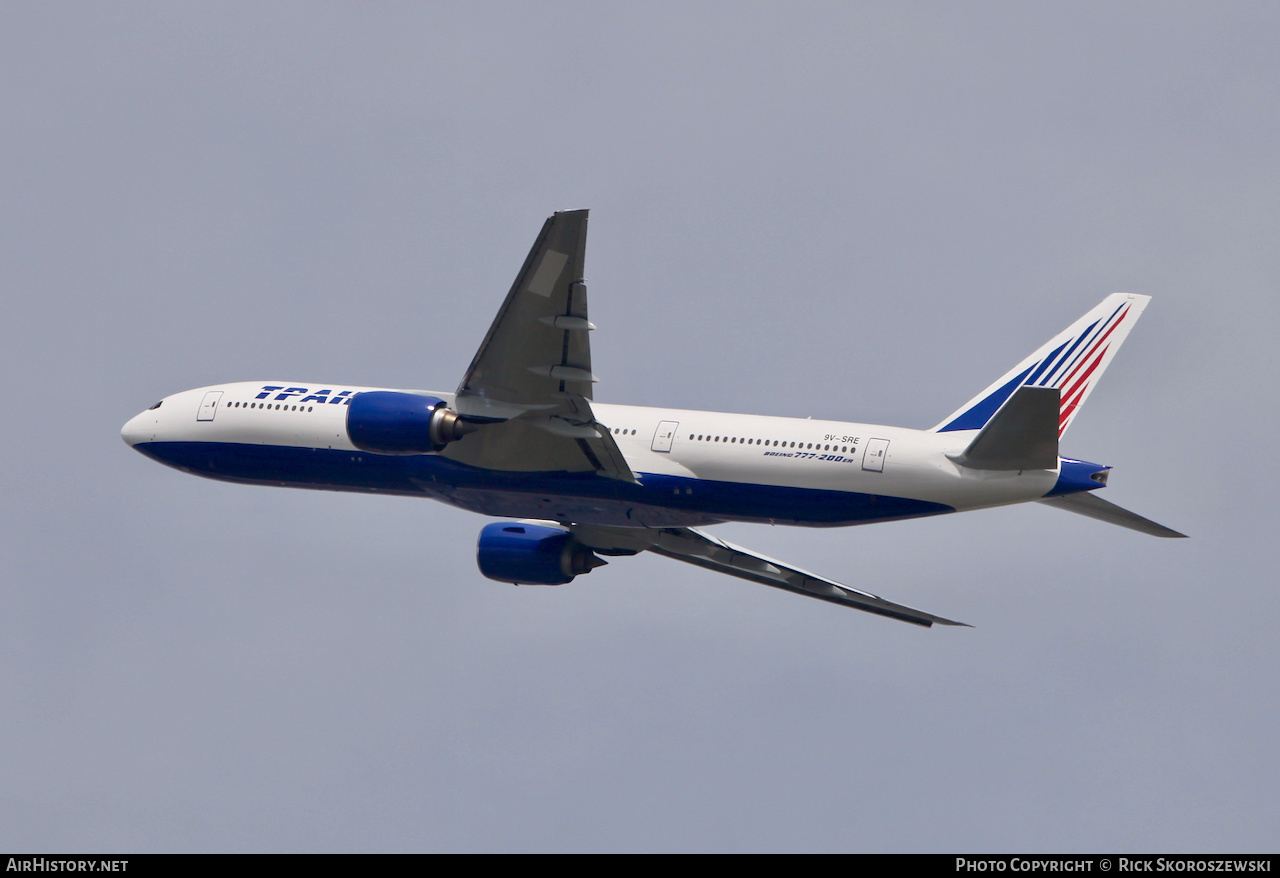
x=701 y=549
x=529 y=385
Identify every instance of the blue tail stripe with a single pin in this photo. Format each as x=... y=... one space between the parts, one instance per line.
x=977 y=416
x=1052 y=374
x=1102 y=327
x=1044 y=363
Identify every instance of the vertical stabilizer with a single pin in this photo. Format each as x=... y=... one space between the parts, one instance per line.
x=1072 y=362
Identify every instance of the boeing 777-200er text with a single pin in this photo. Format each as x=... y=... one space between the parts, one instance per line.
x=521 y=438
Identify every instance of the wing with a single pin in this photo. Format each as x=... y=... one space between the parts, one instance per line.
x=530 y=381
x=695 y=547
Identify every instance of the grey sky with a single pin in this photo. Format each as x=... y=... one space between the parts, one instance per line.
x=864 y=212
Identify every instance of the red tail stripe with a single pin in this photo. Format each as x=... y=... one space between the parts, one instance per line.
x=1080 y=382
x=1068 y=409
x=1085 y=358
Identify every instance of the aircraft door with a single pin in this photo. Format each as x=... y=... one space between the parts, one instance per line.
x=209 y=407
x=873 y=457
x=664 y=435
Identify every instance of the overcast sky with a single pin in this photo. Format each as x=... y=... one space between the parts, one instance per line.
x=856 y=211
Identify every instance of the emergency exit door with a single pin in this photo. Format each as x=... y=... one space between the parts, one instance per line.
x=873 y=457
x=664 y=435
x=209 y=407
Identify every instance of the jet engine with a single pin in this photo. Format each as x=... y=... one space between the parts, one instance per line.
x=532 y=554
x=390 y=422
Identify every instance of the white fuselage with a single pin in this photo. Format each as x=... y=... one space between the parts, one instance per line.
x=693 y=467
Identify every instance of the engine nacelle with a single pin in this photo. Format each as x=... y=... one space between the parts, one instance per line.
x=389 y=422
x=532 y=554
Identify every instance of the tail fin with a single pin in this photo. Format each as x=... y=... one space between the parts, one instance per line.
x=1071 y=361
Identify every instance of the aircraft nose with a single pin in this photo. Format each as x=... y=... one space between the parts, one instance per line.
x=138 y=428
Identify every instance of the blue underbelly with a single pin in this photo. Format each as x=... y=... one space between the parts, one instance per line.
x=585 y=498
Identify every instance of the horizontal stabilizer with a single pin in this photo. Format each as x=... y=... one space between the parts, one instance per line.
x=1104 y=510
x=1023 y=434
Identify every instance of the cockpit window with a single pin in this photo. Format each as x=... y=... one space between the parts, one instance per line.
x=156 y=406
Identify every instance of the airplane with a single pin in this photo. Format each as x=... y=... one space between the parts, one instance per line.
x=579 y=481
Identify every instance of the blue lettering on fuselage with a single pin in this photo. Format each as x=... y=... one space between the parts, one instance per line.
x=291 y=391
x=320 y=396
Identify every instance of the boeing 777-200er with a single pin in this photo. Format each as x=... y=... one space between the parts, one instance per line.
x=522 y=438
